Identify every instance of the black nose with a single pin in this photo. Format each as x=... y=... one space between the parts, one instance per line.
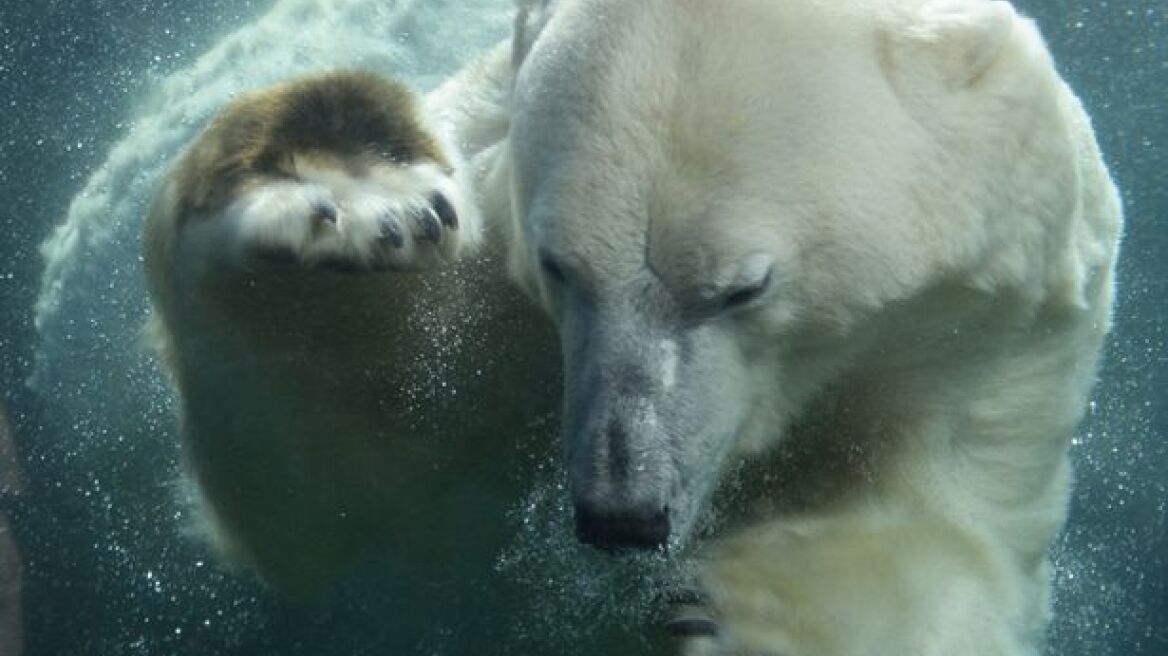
x=623 y=529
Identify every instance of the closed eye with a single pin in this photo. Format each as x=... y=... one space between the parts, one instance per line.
x=743 y=295
x=552 y=269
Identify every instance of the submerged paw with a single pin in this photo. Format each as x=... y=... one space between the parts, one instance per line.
x=360 y=224
x=688 y=614
x=429 y=220
x=425 y=222
x=381 y=233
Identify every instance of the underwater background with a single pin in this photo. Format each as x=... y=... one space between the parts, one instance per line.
x=95 y=97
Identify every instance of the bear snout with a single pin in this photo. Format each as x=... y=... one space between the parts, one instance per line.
x=637 y=527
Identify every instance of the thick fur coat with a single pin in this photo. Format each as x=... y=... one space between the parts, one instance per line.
x=858 y=254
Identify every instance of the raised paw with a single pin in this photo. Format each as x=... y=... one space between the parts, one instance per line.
x=338 y=171
x=383 y=216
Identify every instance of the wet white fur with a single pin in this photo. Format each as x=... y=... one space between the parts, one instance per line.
x=959 y=323
x=943 y=234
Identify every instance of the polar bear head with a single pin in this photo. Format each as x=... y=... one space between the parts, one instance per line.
x=723 y=204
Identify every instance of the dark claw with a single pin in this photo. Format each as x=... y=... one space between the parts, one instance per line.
x=688 y=613
x=324 y=213
x=428 y=221
x=391 y=232
x=685 y=597
x=445 y=211
x=692 y=627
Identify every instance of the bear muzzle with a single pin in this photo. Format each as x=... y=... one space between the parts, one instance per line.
x=633 y=527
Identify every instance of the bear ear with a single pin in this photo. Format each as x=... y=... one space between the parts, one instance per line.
x=958 y=39
x=530 y=18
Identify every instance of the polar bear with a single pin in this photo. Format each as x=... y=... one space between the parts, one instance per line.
x=847 y=265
